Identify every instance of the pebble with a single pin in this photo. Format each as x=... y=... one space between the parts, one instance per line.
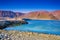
x=4 y=36
x=26 y=36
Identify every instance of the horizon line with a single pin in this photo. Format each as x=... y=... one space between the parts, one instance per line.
x=26 y=11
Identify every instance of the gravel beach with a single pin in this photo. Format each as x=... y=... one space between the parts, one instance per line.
x=16 y=35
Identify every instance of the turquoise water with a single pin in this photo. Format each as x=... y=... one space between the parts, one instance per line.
x=40 y=26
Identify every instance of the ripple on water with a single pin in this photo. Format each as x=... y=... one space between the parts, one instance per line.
x=48 y=26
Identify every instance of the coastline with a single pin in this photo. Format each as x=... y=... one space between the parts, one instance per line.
x=40 y=19
x=16 y=35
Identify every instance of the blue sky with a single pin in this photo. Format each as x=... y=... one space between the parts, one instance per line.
x=29 y=5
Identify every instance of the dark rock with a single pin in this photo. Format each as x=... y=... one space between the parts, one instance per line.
x=4 y=24
x=23 y=22
x=26 y=19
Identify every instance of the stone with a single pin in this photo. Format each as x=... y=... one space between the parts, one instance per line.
x=11 y=23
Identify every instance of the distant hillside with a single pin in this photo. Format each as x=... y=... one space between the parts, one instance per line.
x=56 y=14
x=45 y=15
x=10 y=14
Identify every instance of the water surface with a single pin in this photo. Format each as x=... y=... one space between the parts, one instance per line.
x=40 y=26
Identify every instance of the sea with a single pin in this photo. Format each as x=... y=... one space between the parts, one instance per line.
x=38 y=26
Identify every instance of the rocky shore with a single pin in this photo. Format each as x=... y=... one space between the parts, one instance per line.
x=16 y=35
x=4 y=24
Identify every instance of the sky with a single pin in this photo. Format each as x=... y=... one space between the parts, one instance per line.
x=29 y=5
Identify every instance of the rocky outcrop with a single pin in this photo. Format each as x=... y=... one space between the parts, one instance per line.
x=4 y=24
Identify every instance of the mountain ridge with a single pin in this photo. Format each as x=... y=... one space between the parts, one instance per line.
x=54 y=15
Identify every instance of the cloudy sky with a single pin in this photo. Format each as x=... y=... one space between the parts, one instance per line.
x=29 y=5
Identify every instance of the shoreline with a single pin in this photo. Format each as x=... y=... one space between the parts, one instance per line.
x=16 y=35
x=40 y=19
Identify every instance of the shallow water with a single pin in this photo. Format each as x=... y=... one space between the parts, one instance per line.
x=40 y=26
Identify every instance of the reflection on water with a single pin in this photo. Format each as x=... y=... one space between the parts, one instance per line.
x=41 y=26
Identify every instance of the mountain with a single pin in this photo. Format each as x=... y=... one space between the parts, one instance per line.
x=44 y=15
x=56 y=14
x=10 y=14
